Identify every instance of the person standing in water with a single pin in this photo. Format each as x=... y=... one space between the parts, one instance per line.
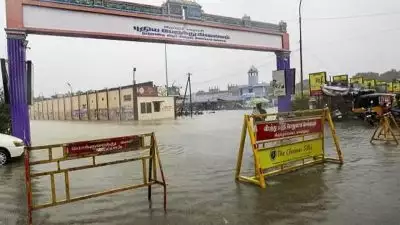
x=259 y=113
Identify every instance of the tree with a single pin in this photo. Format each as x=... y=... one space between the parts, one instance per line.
x=5 y=118
x=387 y=76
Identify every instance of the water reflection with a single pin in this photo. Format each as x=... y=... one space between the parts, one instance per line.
x=199 y=156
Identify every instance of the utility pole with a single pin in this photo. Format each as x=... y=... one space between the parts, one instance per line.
x=134 y=96
x=301 y=51
x=188 y=85
x=70 y=88
x=190 y=94
x=166 y=67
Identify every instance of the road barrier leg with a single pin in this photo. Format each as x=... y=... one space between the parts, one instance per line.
x=334 y=136
x=161 y=171
x=241 y=149
x=150 y=173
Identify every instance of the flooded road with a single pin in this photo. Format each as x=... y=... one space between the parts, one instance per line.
x=199 y=158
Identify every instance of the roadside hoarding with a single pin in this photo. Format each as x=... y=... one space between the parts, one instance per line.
x=390 y=87
x=381 y=86
x=342 y=80
x=316 y=81
x=356 y=81
x=278 y=83
x=369 y=83
x=396 y=87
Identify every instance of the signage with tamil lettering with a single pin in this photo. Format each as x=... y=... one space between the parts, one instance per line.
x=150 y=30
x=103 y=146
x=270 y=130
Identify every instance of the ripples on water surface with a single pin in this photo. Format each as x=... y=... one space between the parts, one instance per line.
x=199 y=156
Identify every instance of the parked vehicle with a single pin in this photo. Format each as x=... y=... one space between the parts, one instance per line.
x=371 y=117
x=10 y=147
x=337 y=114
x=377 y=103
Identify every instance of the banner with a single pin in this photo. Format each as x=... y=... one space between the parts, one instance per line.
x=379 y=82
x=316 y=81
x=356 y=82
x=278 y=83
x=291 y=90
x=396 y=87
x=390 y=87
x=287 y=153
x=341 y=80
x=104 y=146
x=275 y=129
x=370 y=83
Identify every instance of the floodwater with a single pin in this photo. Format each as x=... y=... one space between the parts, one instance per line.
x=199 y=158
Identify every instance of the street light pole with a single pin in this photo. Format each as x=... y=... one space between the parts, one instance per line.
x=166 y=67
x=70 y=87
x=301 y=51
x=134 y=96
x=70 y=100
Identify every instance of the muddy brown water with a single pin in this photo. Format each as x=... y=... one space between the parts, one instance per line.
x=199 y=157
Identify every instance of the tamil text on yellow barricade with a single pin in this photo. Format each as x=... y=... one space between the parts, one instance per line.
x=280 y=155
x=286 y=143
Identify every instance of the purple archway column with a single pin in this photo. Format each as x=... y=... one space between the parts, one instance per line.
x=16 y=47
x=283 y=63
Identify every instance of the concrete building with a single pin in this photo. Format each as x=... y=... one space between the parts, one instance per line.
x=107 y=104
x=153 y=108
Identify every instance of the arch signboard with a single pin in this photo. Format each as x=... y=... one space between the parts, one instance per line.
x=179 y=22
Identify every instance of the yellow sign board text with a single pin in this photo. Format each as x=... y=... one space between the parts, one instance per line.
x=370 y=83
x=316 y=81
x=341 y=78
x=396 y=87
x=390 y=87
x=280 y=155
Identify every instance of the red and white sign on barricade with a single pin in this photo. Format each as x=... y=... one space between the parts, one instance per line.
x=269 y=130
x=104 y=146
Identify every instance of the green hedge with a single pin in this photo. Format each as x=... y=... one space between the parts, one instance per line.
x=300 y=103
x=5 y=118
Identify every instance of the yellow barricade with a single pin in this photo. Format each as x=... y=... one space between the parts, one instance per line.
x=145 y=145
x=291 y=141
x=388 y=130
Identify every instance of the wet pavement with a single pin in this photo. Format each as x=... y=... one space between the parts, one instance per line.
x=199 y=158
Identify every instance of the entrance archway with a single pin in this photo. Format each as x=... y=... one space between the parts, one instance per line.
x=178 y=22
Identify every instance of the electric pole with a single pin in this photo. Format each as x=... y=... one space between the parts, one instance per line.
x=190 y=94
x=301 y=51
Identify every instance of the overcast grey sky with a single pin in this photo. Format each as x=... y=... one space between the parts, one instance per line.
x=367 y=39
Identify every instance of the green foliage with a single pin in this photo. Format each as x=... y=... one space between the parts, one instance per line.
x=5 y=118
x=300 y=103
x=387 y=76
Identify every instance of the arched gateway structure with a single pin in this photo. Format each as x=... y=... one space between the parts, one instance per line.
x=175 y=22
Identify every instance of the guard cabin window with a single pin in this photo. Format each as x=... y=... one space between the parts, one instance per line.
x=148 y=107
x=157 y=106
x=145 y=107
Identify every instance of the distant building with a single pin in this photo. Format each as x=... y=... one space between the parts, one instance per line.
x=235 y=92
x=254 y=88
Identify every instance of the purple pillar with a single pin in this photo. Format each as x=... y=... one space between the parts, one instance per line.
x=16 y=46
x=283 y=63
